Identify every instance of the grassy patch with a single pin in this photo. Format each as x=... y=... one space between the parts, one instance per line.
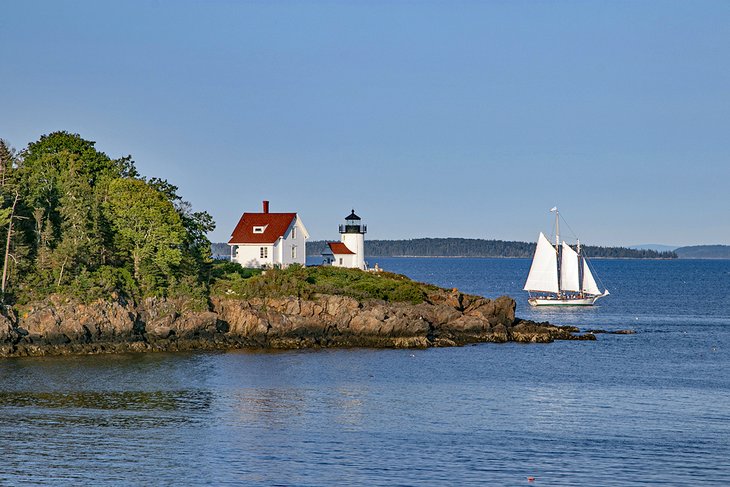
x=305 y=282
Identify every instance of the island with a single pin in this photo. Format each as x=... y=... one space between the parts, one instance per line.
x=704 y=252
x=296 y=307
x=99 y=259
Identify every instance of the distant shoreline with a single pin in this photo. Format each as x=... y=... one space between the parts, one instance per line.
x=459 y=248
x=523 y=258
x=456 y=247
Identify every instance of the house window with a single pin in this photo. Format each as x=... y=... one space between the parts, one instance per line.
x=264 y=252
x=259 y=229
x=293 y=251
x=340 y=260
x=294 y=232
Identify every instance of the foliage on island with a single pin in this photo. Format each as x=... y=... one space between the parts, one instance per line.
x=468 y=247
x=231 y=280
x=704 y=252
x=76 y=222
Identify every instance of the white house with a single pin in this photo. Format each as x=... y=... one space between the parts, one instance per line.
x=269 y=239
x=350 y=250
x=337 y=254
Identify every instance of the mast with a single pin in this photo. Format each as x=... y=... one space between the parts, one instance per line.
x=580 y=267
x=557 y=244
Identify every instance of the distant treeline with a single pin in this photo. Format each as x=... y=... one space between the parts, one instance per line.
x=467 y=247
x=704 y=252
x=220 y=250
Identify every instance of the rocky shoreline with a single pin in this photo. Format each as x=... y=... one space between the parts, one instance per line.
x=59 y=327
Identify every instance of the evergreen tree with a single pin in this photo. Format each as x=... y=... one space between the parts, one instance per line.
x=78 y=247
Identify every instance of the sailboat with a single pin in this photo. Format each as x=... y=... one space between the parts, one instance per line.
x=560 y=275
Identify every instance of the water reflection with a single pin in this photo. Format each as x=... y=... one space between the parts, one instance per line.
x=294 y=407
x=272 y=407
x=350 y=404
x=111 y=400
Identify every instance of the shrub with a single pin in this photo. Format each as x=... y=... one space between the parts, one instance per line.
x=103 y=283
x=305 y=282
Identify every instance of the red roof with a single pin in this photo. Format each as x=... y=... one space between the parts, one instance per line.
x=339 y=248
x=275 y=225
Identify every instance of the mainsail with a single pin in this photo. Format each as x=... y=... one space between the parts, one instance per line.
x=569 y=278
x=589 y=284
x=544 y=269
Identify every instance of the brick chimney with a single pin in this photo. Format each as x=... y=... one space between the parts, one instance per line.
x=266 y=206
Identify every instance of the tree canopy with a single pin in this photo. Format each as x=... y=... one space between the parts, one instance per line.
x=87 y=225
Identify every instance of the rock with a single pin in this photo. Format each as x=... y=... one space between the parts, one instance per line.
x=411 y=342
x=59 y=323
x=7 y=333
x=42 y=324
x=504 y=312
x=439 y=314
x=529 y=332
x=447 y=318
x=466 y=325
x=500 y=334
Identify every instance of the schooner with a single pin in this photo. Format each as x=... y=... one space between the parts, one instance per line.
x=559 y=275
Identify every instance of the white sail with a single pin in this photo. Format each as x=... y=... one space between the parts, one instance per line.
x=544 y=269
x=589 y=284
x=569 y=278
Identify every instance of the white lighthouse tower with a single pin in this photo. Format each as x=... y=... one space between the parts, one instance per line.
x=350 y=250
x=352 y=234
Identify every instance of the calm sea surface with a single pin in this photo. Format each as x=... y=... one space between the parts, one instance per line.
x=650 y=408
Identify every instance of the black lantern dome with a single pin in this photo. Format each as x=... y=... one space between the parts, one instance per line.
x=353 y=224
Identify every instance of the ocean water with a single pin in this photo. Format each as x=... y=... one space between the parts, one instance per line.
x=643 y=409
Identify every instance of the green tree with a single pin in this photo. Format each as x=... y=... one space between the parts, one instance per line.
x=148 y=230
x=47 y=163
x=9 y=217
x=7 y=160
x=197 y=251
x=78 y=247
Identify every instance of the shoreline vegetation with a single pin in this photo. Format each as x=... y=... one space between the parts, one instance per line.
x=98 y=258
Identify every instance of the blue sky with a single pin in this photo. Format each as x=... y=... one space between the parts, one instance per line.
x=437 y=119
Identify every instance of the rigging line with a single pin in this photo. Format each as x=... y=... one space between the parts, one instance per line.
x=569 y=228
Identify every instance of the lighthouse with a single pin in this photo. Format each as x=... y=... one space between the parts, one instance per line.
x=350 y=250
x=352 y=234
